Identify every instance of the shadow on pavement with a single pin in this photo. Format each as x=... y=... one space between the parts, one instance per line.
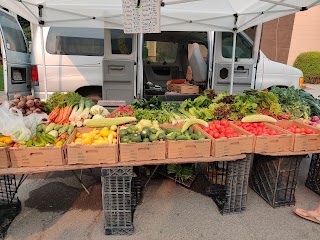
x=53 y=197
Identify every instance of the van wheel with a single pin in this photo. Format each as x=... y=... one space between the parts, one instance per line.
x=94 y=97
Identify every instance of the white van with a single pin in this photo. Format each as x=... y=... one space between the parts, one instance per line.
x=119 y=67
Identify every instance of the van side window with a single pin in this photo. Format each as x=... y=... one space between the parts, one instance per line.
x=121 y=43
x=14 y=39
x=243 y=47
x=160 y=52
x=75 y=41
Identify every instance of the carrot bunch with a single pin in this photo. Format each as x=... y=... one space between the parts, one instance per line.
x=60 y=106
x=60 y=116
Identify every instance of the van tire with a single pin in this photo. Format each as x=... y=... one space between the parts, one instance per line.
x=92 y=92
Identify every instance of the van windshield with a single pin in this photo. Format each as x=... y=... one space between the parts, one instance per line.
x=13 y=36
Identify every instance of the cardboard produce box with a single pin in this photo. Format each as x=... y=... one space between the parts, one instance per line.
x=37 y=156
x=187 y=89
x=173 y=84
x=230 y=146
x=187 y=148
x=142 y=151
x=273 y=143
x=4 y=158
x=90 y=154
x=302 y=142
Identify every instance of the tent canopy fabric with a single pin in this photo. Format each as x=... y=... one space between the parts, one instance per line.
x=176 y=15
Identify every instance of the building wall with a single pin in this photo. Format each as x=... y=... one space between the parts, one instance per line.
x=276 y=38
x=305 y=34
x=283 y=39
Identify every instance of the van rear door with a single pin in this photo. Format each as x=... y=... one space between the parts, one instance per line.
x=245 y=61
x=15 y=56
x=119 y=68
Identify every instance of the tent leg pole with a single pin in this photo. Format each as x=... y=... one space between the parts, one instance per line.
x=233 y=61
x=44 y=65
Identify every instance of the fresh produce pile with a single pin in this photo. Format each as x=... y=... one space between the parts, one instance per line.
x=97 y=137
x=122 y=111
x=49 y=135
x=147 y=131
x=68 y=108
x=144 y=131
x=314 y=121
x=26 y=104
x=296 y=130
x=176 y=134
x=258 y=129
x=5 y=141
x=222 y=106
x=219 y=129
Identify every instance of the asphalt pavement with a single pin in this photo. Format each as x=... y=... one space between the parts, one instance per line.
x=56 y=207
x=314 y=89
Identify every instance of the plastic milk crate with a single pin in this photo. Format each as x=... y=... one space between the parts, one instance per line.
x=275 y=178
x=313 y=179
x=116 y=191
x=10 y=205
x=229 y=184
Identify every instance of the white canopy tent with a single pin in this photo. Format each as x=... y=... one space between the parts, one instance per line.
x=176 y=15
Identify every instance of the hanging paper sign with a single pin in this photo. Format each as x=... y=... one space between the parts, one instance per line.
x=141 y=16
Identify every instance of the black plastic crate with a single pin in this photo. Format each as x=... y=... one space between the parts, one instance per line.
x=117 y=200
x=10 y=206
x=275 y=178
x=229 y=184
x=117 y=171
x=136 y=192
x=313 y=179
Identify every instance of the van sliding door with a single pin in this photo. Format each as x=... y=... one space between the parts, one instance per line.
x=245 y=61
x=119 y=68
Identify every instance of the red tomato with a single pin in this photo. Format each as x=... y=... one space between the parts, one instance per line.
x=207 y=129
x=237 y=123
x=303 y=130
x=309 y=131
x=216 y=135
x=211 y=133
x=216 y=122
x=224 y=122
x=222 y=135
x=229 y=130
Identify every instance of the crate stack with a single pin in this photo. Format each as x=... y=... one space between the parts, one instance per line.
x=229 y=184
x=313 y=179
x=10 y=205
x=275 y=178
x=117 y=200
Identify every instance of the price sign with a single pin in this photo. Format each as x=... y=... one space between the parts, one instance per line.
x=141 y=16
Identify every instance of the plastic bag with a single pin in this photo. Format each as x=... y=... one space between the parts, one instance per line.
x=18 y=127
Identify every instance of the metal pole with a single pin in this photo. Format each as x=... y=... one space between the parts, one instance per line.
x=139 y=81
x=44 y=64
x=233 y=60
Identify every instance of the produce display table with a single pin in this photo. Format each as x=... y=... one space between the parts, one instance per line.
x=290 y=153
x=30 y=170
